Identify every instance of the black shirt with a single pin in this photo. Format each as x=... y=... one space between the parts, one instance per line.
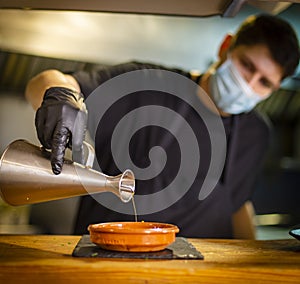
x=246 y=139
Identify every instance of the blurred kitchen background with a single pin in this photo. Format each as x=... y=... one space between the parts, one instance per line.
x=32 y=40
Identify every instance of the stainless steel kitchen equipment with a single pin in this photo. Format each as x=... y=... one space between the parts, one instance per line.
x=26 y=177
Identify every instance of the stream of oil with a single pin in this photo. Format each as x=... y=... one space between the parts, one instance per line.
x=134 y=210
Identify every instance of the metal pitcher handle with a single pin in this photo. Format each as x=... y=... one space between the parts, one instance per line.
x=89 y=154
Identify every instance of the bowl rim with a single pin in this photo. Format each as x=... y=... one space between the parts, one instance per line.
x=128 y=227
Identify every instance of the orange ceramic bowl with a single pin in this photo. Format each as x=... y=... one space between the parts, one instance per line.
x=133 y=236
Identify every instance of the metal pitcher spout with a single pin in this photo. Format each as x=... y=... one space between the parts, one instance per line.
x=125 y=183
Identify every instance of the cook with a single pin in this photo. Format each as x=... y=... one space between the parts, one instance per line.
x=251 y=65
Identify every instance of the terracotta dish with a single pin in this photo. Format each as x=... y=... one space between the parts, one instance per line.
x=133 y=236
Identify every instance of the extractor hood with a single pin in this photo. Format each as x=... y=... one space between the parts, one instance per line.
x=196 y=8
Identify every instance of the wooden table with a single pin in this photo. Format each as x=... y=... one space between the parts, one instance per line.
x=47 y=259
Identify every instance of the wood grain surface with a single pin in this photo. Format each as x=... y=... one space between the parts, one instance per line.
x=48 y=259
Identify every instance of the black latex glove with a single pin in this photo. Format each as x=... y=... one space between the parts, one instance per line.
x=60 y=123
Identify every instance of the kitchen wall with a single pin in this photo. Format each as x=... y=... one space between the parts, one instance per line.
x=16 y=120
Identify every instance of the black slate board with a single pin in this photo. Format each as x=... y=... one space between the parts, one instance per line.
x=180 y=249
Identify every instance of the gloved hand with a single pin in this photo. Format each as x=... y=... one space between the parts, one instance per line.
x=60 y=123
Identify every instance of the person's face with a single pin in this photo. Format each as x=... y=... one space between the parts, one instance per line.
x=258 y=68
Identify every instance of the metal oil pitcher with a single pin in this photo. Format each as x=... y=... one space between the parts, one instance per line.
x=26 y=177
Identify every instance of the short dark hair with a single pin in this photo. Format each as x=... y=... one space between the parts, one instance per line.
x=274 y=32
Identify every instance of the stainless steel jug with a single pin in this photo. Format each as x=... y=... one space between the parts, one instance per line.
x=26 y=177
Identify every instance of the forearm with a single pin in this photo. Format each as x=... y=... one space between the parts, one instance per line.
x=243 y=222
x=37 y=86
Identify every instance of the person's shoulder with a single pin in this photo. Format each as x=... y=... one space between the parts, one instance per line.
x=154 y=65
x=261 y=118
x=257 y=121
